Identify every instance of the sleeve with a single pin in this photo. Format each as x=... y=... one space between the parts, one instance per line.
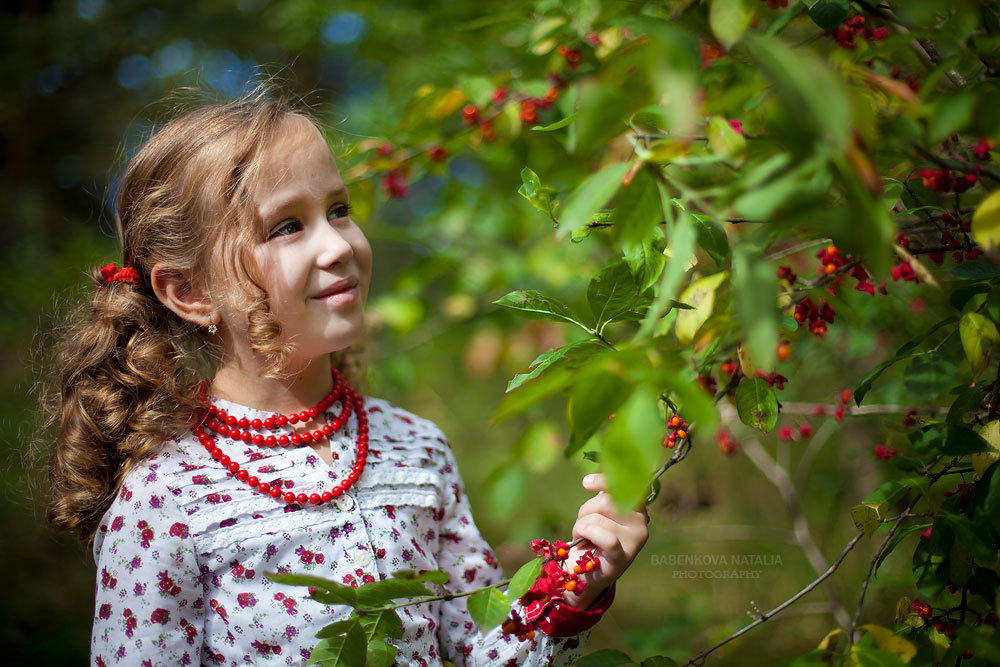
x=149 y=608
x=465 y=555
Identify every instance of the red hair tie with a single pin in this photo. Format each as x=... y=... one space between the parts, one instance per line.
x=127 y=274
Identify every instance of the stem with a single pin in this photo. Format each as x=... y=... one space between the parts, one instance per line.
x=892 y=531
x=700 y=658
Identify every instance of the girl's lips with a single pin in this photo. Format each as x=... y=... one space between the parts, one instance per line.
x=342 y=297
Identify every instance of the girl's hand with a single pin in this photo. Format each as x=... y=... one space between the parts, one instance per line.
x=615 y=541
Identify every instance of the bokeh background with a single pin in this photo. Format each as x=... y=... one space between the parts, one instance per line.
x=84 y=82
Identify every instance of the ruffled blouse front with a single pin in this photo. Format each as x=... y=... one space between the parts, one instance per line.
x=182 y=551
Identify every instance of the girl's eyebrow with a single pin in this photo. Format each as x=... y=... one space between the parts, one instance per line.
x=280 y=206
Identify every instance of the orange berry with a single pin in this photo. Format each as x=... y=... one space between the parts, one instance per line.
x=675 y=420
x=577 y=569
x=531 y=634
x=832 y=250
x=681 y=433
x=830 y=268
x=590 y=565
x=561 y=553
x=784 y=352
x=571 y=585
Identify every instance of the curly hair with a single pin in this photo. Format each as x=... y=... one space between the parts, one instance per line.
x=129 y=367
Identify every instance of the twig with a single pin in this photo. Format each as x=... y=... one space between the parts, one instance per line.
x=870 y=410
x=700 y=658
x=892 y=531
x=778 y=476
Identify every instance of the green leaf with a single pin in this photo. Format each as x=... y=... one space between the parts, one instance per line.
x=594 y=396
x=434 y=576
x=960 y=297
x=478 y=89
x=580 y=349
x=755 y=288
x=724 y=140
x=894 y=489
x=805 y=85
x=612 y=292
x=488 y=608
x=377 y=593
x=974 y=536
x=896 y=539
x=890 y=642
x=658 y=661
x=631 y=447
x=385 y=622
x=556 y=125
x=380 y=653
x=646 y=261
x=986 y=222
x=334 y=593
x=536 y=306
x=929 y=374
x=712 y=239
x=979 y=336
x=606 y=657
x=868 y=516
x=756 y=404
x=961 y=440
x=681 y=245
x=346 y=651
x=637 y=208
x=538 y=195
x=701 y=296
x=827 y=14
x=524 y=578
x=590 y=195
x=729 y=19
x=976 y=271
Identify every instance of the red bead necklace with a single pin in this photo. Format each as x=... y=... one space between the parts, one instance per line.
x=218 y=421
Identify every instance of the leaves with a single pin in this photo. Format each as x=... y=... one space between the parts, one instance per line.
x=755 y=287
x=488 y=608
x=536 y=306
x=591 y=195
x=868 y=516
x=729 y=19
x=827 y=14
x=612 y=293
x=540 y=196
x=524 y=578
x=630 y=448
x=979 y=336
x=701 y=295
x=638 y=208
x=756 y=404
x=577 y=350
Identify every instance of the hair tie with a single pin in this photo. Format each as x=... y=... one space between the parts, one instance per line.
x=126 y=274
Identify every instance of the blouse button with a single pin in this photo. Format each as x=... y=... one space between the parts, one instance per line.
x=344 y=502
x=362 y=558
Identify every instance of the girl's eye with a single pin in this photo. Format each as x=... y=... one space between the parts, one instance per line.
x=286 y=228
x=341 y=210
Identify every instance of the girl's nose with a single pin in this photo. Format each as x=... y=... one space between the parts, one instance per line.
x=331 y=246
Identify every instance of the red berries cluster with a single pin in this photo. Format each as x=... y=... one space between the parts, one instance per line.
x=572 y=56
x=724 y=439
x=549 y=586
x=911 y=80
x=679 y=431
x=394 y=183
x=707 y=383
x=776 y=380
x=983 y=148
x=966 y=491
x=437 y=153
x=729 y=367
x=922 y=609
x=943 y=180
x=854 y=26
x=785 y=273
x=883 y=453
x=829 y=260
x=864 y=284
x=817 y=316
x=787 y=433
x=911 y=418
x=737 y=126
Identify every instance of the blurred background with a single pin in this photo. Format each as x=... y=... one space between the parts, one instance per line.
x=84 y=82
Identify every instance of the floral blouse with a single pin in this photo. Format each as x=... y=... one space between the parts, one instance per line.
x=182 y=551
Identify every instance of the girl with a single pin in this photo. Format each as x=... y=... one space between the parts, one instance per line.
x=210 y=430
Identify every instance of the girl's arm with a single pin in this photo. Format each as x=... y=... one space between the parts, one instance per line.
x=149 y=603
x=468 y=558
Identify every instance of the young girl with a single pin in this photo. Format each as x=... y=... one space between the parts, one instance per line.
x=211 y=429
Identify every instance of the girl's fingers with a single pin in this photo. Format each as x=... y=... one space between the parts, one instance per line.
x=594 y=482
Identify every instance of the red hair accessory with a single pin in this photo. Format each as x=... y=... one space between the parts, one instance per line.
x=127 y=274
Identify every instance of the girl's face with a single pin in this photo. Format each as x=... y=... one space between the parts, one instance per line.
x=315 y=263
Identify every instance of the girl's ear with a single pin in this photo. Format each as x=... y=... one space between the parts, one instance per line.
x=186 y=299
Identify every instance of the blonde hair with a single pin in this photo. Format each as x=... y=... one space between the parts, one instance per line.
x=128 y=370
